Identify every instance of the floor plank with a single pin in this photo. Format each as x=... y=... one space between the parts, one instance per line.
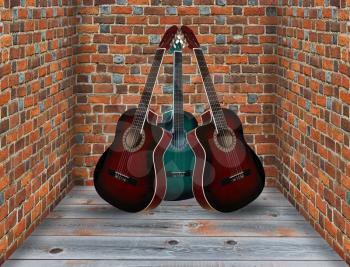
x=251 y=212
x=130 y=227
x=153 y=263
x=89 y=197
x=91 y=188
x=169 y=248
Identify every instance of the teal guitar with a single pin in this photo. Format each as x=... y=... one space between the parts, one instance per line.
x=178 y=158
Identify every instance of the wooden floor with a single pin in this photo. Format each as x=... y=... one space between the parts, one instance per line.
x=84 y=231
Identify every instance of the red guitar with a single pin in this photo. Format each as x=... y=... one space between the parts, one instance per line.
x=130 y=174
x=227 y=173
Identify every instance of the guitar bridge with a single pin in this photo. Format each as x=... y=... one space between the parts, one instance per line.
x=122 y=177
x=178 y=174
x=235 y=177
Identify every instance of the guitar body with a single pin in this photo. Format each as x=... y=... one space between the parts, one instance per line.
x=133 y=180
x=179 y=163
x=224 y=180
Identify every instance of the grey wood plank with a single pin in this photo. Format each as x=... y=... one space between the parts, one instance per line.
x=165 y=248
x=129 y=227
x=251 y=212
x=91 y=188
x=90 y=197
x=153 y=263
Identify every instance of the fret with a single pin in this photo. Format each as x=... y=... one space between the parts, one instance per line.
x=141 y=111
x=216 y=111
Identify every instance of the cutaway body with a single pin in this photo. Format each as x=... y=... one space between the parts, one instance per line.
x=224 y=179
x=133 y=179
x=179 y=159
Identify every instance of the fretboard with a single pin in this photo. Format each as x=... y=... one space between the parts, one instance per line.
x=141 y=112
x=178 y=114
x=218 y=115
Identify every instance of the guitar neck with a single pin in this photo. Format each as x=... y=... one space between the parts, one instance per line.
x=217 y=113
x=178 y=114
x=141 y=112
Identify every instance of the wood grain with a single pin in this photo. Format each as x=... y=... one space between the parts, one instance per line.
x=169 y=248
x=90 y=197
x=129 y=227
x=91 y=188
x=252 y=212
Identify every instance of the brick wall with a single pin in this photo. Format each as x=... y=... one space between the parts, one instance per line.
x=36 y=119
x=312 y=118
x=117 y=43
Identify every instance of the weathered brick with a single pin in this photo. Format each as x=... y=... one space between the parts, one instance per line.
x=39 y=67
x=271 y=11
x=204 y=10
x=137 y=10
x=316 y=85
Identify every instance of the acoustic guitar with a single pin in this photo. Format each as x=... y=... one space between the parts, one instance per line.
x=130 y=174
x=178 y=158
x=227 y=173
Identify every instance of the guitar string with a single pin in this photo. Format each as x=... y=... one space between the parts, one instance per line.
x=178 y=116
x=180 y=113
x=213 y=102
x=135 y=133
x=220 y=120
x=179 y=106
x=222 y=123
x=141 y=110
x=123 y=161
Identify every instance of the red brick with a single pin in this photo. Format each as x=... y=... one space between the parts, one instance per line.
x=137 y=39
x=254 y=11
x=187 y=10
x=170 y=20
x=5 y=40
x=121 y=10
x=4 y=98
x=345 y=97
x=220 y=10
x=99 y=99
x=88 y=28
x=137 y=20
x=154 y=11
x=251 y=49
x=88 y=10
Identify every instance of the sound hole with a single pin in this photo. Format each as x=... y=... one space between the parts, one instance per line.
x=133 y=139
x=225 y=139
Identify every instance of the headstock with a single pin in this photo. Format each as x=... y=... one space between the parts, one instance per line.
x=190 y=37
x=168 y=37
x=178 y=42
